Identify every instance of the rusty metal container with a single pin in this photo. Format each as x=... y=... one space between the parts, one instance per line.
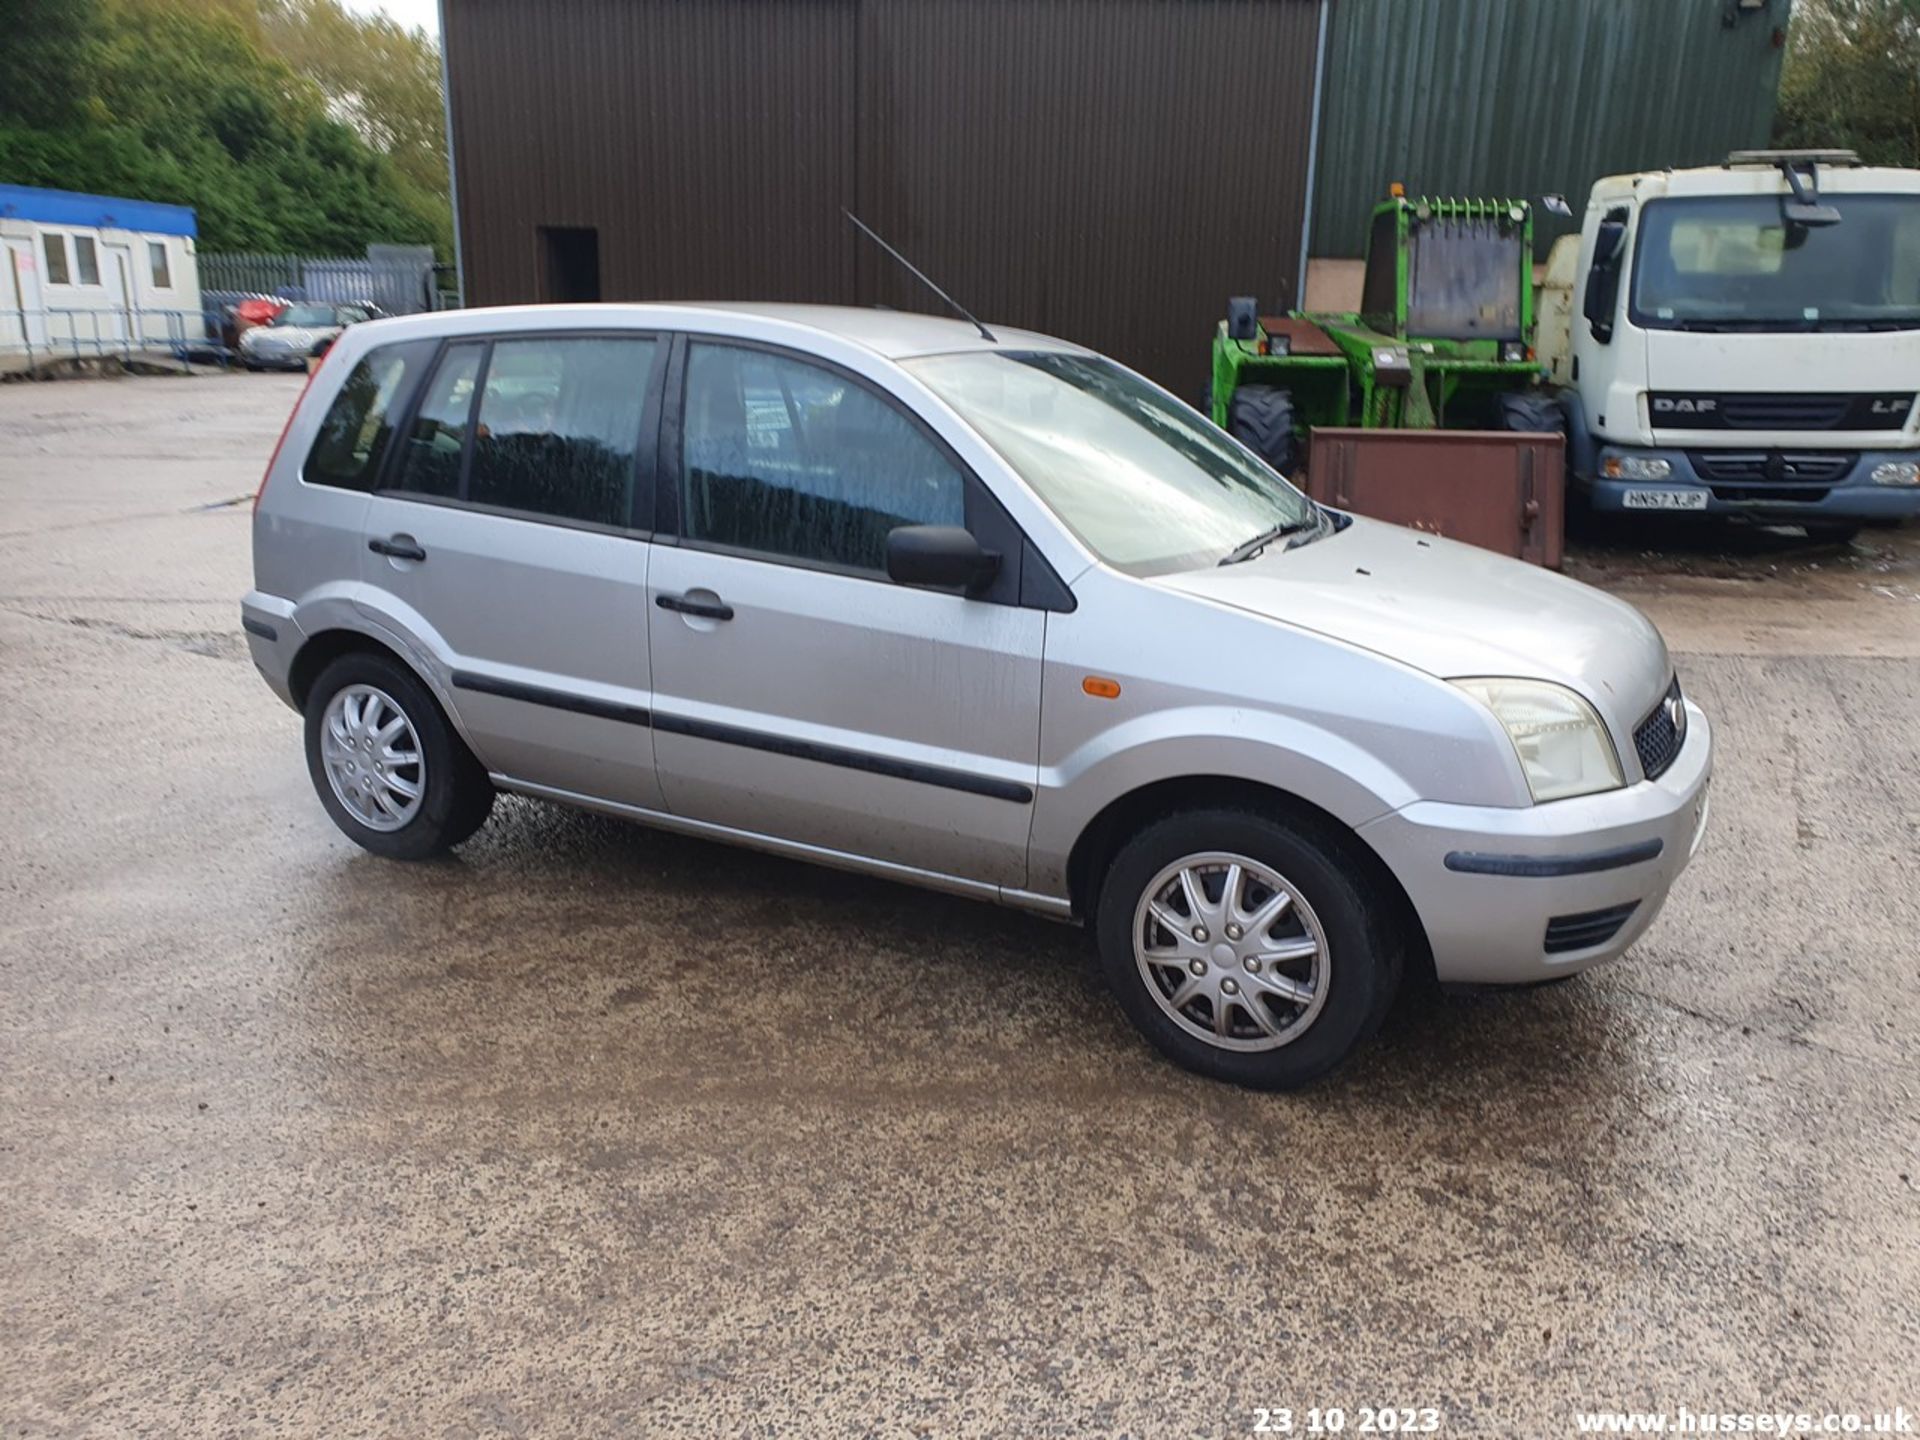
x=1491 y=488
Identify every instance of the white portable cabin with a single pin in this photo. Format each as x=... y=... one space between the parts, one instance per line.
x=93 y=274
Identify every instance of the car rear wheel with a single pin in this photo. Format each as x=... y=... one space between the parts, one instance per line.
x=389 y=768
x=1241 y=946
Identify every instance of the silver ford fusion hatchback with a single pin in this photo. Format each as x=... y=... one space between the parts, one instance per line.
x=994 y=616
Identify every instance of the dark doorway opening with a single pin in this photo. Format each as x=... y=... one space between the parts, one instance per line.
x=572 y=263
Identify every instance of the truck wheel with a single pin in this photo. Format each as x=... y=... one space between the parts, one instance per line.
x=1261 y=418
x=1244 y=947
x=1529 y=413
x=1838 y=534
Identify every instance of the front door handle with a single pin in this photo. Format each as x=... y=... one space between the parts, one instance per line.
x=705 y=610
x=400 y=547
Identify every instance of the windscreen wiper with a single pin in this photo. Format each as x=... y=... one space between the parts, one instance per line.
x=1253 y=547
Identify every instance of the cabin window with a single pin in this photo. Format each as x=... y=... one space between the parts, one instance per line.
x=157 y=258
x=56 y=250
x=86 y=259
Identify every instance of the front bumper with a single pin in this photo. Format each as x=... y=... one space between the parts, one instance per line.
x=276 y=358
x=1517 y=896
x=1824 y=496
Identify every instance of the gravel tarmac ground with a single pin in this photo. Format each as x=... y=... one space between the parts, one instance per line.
x=596 y=1131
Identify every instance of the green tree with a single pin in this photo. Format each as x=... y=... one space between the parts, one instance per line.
x=1852 y=79
x=382 y=79
x=181 y=100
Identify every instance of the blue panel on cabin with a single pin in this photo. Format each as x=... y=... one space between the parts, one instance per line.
x=99 y=212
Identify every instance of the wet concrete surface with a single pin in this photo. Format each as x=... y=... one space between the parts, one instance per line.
x=596 y=1131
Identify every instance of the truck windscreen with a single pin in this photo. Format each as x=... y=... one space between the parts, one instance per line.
x=1731 y=262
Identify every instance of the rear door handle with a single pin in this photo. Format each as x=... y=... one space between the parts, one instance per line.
x=400 y=547
x=706 y=611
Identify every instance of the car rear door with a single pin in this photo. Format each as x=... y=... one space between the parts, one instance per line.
x=503 y=545
x=799 y=694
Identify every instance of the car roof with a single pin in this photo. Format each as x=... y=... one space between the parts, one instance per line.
x=895 y=334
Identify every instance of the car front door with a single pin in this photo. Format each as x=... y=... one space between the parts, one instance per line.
x=799 y=694
x=503 y=544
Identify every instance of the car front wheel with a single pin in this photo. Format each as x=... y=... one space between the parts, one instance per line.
x=389 y=768
x=1242 y=947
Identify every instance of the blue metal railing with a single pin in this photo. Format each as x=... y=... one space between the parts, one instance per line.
x=38 y=337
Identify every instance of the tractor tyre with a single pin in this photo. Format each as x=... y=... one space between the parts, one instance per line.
x=1260 y=417
x=1531 y=413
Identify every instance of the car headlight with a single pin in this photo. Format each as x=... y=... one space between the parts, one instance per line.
x=1897 y=472
x=1636 y=467
x=1563 y=747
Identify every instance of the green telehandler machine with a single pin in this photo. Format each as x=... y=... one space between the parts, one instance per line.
x=1443 y=338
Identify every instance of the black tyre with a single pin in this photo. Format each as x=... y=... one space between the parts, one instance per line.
x=389 y=768
x=1530 y=413
x=1260 y=417
x=1244 y=947
x=1833 y=534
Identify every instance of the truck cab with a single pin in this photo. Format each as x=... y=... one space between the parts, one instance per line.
x=1745 y=340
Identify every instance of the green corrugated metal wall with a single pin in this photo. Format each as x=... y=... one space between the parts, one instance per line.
x=1530 y=97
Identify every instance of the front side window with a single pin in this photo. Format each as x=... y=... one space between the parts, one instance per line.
x=86 y=259
x=430 y=463
x=785 y=458
x=354 y=433
x=1733 y=262
x=306 y=317
x=55 y=247
x=559 y=427
x=1144 y=481
x=157 y=260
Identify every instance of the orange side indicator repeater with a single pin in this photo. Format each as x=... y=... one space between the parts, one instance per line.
x=1101 y=688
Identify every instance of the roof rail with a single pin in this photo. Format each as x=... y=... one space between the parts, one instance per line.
x=1775 y=158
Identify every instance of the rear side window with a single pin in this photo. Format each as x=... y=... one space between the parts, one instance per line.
x=559 y=427
x=789 y=459
x=430 y=463
x=354 y=434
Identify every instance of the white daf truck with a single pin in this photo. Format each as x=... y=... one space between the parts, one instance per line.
x=1743 y=340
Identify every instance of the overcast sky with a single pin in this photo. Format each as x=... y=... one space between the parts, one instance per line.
x=415 y=14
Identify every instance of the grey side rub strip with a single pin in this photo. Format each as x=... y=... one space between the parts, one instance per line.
x=964 y=781
x=557 y=699
x=849 y=759
x=1544 y=866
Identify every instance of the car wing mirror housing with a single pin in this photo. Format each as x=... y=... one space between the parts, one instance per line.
x=940 y=557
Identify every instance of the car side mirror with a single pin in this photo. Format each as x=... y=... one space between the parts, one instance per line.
x=942 y=557
x=1603 y=281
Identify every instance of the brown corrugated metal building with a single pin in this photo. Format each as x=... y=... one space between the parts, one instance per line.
x=1065 y=165
x=1106 y=170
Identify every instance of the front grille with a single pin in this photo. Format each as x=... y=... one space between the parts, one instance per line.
x=1778 y=494
x=1774 y=467
x=1590 y=928
x=1785 y=412
x=1659 y=737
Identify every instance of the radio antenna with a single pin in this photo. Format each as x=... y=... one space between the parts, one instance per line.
x=914 y=270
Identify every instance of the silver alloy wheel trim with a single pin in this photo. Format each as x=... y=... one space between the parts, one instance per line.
x=1258 y=944
x=373 y=757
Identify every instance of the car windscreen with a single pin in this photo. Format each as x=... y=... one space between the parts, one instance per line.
x=1147 y=483
x=307 y=316
x=1733 y=262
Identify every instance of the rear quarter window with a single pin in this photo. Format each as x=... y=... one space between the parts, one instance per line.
x=359 y=422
